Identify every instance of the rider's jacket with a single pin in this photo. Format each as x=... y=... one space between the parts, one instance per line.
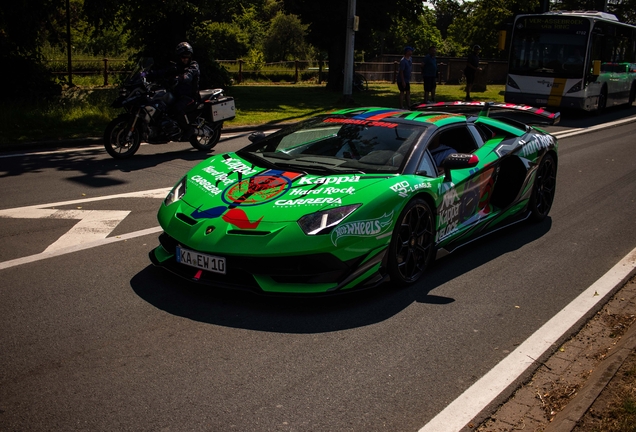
x=187 y=78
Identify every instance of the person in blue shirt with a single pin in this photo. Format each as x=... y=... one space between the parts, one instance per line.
x=440 y=151
x=429 y=74
x=404 y=77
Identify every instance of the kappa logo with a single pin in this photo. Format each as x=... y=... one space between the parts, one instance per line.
x=328 y=180
x=364 y=228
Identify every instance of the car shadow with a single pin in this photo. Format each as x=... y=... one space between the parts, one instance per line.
x=323 y=314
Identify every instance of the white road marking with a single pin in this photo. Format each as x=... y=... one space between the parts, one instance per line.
x=76 y=248
x=579 y=131
x=93 y=226
x=475 y=399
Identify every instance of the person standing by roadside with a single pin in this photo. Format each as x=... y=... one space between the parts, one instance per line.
x=472 y=66
x=404 y=77
x=429 y=74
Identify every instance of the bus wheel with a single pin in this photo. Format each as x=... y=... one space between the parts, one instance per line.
x=602 y=101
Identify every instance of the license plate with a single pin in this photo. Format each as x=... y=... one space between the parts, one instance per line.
x=210 y=263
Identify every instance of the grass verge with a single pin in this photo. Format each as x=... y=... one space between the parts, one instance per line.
x=85 y=111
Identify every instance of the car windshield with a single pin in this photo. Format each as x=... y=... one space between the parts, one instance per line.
x=338 y=144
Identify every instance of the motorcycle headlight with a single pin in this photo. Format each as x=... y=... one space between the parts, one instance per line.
x=176 y=193
x=324 y=221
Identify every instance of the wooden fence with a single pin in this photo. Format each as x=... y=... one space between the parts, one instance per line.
x=450 y=70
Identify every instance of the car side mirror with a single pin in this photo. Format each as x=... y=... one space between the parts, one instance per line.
x=458 y=161
x=256 y=136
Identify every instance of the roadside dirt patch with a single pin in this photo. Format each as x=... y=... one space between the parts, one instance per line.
x=535 y=404
x=615 y=409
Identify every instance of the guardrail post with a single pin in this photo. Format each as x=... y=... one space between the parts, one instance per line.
x=296 y=73
x=319 y=71
x=240 y=74
x=105 y=72
x=395 y=72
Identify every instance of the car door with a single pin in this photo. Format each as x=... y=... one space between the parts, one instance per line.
x=464 y=192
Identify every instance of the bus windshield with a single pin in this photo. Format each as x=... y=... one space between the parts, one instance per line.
x=550 y=47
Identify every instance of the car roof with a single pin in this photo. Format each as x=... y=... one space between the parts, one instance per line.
x=437 y=118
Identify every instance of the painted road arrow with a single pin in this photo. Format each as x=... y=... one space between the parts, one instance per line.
x=91 y=230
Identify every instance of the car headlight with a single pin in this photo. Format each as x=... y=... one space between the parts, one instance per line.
x=176 y=193
x=323 y=222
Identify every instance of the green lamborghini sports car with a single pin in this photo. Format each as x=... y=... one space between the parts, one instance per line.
x=356 y=197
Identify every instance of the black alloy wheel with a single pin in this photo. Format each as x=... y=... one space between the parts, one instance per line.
x=544 y=188
x=119 y=141
x=413 y=243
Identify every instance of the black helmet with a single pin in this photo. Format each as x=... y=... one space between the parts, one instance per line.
x=183 y=48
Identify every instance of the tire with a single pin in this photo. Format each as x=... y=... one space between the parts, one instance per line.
x=543 y=188
x=632 y=95
x=360 y=82
x=117 y=140
x=602 y=101
x=413 y=243
x=207 y=142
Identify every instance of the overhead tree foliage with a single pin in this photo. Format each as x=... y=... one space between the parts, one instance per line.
x=23 y=26
x=445 y=13
x=625 y=10
x=156 y=28
x=481 y=21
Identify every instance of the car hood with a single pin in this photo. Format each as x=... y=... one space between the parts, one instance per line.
x=241 y=193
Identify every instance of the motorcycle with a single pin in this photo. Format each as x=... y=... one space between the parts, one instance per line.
x=148 y=117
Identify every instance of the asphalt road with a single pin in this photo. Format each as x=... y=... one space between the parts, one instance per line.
x=98 y=339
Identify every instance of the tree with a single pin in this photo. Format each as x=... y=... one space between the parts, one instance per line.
x=22 y=28
x=285 y=39
x=625 y=10
x=445 y=13
x=156 y=28
x=327 y=21
x=481 y=22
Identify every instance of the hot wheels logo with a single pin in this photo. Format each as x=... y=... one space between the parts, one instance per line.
x=365 y=228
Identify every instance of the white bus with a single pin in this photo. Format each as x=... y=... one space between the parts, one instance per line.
x=582 y=60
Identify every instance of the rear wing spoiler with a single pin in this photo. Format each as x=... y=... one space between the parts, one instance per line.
x=521 y=113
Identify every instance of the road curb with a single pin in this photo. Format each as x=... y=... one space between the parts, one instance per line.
x=568 y=418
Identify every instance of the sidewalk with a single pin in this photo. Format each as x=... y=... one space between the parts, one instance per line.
x=577 y=388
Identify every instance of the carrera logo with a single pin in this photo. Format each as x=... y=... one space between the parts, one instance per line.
x=308 y=201
x=205 y=185
x=365 y=228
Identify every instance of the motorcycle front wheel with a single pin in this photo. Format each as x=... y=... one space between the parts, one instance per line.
x=206 y=137
x=119 y=141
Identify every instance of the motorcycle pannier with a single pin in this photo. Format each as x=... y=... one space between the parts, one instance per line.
x=223 y=109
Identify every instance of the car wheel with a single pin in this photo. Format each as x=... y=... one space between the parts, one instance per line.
x=413 y=243
x=602 y=101
x=543 y=188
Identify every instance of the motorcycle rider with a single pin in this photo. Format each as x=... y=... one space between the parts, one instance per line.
x=186 y=76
